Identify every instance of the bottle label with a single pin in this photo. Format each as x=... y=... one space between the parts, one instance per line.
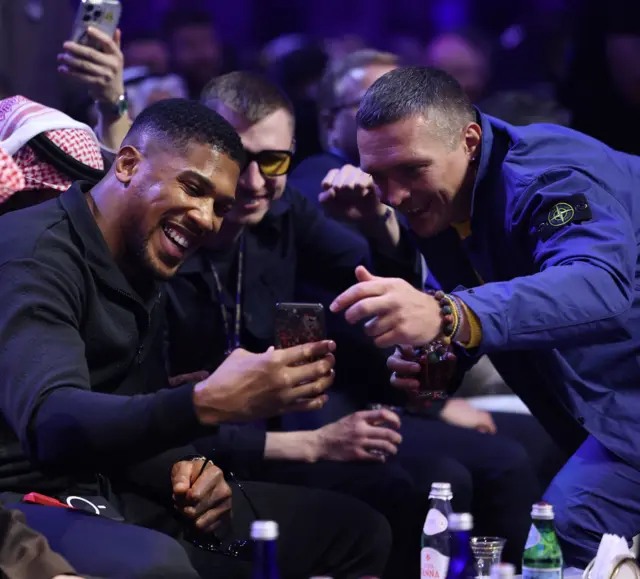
x=433 y=565
x=435 y=523
x=552 y=573
x=534 y=538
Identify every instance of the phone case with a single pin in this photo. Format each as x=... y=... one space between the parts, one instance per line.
x=102 y=14
x=298 y=323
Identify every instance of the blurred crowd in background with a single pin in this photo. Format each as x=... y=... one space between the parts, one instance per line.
x=575 y=62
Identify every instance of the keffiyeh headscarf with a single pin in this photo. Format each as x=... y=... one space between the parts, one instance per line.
x=11 y=177
x=42 y=142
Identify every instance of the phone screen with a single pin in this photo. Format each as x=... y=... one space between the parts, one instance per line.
x=298 y=324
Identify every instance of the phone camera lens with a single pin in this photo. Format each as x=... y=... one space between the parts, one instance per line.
x=97 y=14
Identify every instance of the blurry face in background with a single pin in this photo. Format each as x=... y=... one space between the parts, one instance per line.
x=464 y=62
x=196 y=52
x=159 y=95
x=256 y=191
x=151 y=53
x=339 y=46
x=341 y=125
x=420 y=171
x=622 y=50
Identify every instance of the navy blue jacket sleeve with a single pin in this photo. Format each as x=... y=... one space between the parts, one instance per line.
x=584 y=272
x=45 y=390
x=330 y=251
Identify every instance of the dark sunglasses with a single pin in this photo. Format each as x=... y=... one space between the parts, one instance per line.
x=240 y=548
x=270 y=163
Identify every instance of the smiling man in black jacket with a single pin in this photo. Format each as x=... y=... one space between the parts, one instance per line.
x=81 y=279
x=273 y=241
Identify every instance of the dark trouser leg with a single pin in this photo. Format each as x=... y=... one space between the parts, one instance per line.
x=321 y=533
x=595 y=493
x=103 y=548
x=547 y=458
x=504 y=482
x=388 y=488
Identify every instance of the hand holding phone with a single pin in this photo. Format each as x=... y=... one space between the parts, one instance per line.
x=101 y=14
x=249 y=386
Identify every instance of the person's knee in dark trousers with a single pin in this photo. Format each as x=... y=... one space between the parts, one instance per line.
x=425 y=470
x=546 y=456
x=406 y=509
x=387 y=487
x=163 y=558
x=367 y=543
x=503 y=496
x=320 y=532
x=504 y=483
x=99 y=547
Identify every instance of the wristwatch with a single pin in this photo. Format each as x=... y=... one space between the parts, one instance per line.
x=117 y=109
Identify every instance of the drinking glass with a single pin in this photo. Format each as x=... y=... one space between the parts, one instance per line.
x=486 y=551
x=396 y=409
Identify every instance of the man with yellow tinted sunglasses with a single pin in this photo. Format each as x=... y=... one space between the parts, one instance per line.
x=273 y=240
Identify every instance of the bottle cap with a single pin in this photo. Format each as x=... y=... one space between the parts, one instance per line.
x=441 y=491
x=441 y=487
x=264 y=530
x=502 y=571
x=460 y=522
x=542 y=511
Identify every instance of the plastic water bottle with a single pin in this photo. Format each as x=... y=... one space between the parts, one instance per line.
x=461 y=564
x=435 y=551
x=542 y=557
x=265 y=537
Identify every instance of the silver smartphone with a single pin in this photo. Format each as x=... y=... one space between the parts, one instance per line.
x=101 y=14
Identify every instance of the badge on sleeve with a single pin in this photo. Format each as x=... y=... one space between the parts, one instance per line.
x=574 y=209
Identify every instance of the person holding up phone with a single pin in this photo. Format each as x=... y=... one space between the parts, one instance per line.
x=86 y=414
x=93 y=57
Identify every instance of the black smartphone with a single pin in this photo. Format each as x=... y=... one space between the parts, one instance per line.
x=298 y=323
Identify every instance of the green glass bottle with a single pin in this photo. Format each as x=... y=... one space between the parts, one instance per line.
x=542 y=557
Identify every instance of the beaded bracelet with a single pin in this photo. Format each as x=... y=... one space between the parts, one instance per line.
x=439 y=350
x=451 y=316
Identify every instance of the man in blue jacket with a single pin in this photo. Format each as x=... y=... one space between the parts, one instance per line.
x=542 y=225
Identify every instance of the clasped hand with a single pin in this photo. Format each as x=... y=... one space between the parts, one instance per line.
x=202 y=496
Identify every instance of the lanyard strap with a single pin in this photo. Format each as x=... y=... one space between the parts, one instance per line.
x=233 y=337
